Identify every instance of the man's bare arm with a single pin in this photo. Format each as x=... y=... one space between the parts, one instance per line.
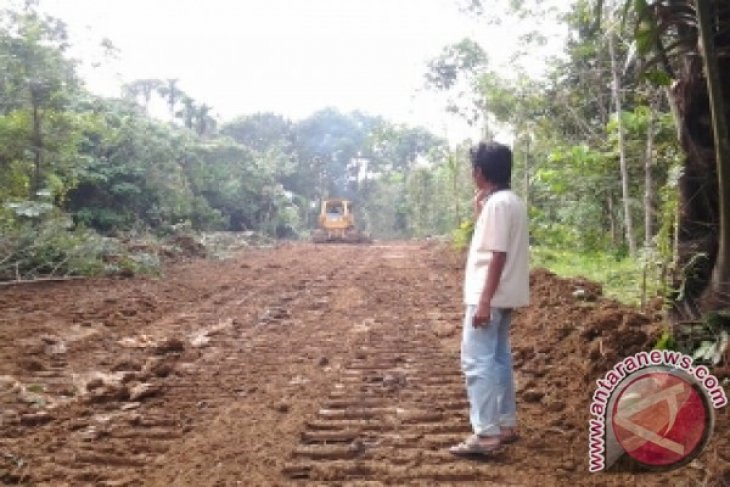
x=494 y=274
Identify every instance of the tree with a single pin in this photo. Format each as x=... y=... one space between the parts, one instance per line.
x=143 y=88
x=327 y=141
x=455 y=72
x=709 y=18
x=37 y=77
x=688 y=40
x=616 y=87
x=172 y=95
x=399 y=147
x=205 y=124
x=130 y=174
x=188 y=112
x=235 y=182
x=261 y=131
x=519 y=105
x=649 y=162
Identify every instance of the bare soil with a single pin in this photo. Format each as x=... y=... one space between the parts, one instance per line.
x=301 y=365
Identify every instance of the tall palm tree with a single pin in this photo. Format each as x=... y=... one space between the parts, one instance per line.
x=188 y=112
x=172 y=95
x=204 y=122
x=143 y=88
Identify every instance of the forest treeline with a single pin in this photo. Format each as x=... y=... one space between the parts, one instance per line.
x=73 y=164
x=614 y=144
x=112 y=167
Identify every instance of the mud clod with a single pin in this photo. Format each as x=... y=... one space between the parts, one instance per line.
x=35 y=419
x=532 y=395
x=170 y=345
x=144 y=391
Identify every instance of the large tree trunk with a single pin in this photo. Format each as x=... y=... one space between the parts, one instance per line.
x=526 y=173
x=37 y=141
x=612 y=220
x=454 y=172
x=701 y=222
x=616 y=86
x=719 y=292
x=648 y=179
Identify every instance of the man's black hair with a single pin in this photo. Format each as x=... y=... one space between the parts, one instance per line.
x=494 y=160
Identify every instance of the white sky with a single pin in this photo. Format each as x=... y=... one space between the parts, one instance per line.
x=291 y=57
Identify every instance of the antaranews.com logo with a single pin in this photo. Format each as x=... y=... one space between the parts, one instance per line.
x=657 y=407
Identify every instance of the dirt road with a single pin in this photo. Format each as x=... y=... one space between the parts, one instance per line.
x=300 y=365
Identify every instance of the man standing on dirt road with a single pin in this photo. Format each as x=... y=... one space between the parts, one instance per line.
x=496 y=282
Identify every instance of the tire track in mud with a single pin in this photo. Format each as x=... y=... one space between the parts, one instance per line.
x=398 y=403
x=300 y=339
x=389 y=419
x=164 y=383
x=398 y=400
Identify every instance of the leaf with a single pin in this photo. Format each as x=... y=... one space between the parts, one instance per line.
x=705 y=351
x=658 y=78
x=720 y=347
x=645 y=35
x=666 y=341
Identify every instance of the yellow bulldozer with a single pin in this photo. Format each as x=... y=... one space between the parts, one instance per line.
x=337 y=224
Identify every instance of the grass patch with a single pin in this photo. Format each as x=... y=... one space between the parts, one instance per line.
x=621 y=277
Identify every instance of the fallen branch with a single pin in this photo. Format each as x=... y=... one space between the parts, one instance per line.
x=41 y=279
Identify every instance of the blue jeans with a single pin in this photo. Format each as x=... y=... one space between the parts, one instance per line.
x=486 y=360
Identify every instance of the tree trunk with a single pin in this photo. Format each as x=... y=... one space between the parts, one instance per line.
x=526 y=175
x=701 y=224
x=675 y=236
x=616 y=88
x=37 y=140
x=453 y=170
x=648 y=179
x=698 y=218
x=720 y=281
x=611 y=220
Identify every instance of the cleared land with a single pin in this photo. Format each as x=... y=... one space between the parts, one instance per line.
x=300 y=365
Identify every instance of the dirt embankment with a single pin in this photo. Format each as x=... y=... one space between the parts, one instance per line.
x=300 y=365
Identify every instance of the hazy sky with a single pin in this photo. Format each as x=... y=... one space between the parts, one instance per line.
x=287 y=56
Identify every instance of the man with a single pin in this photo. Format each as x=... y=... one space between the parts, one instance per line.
x=496 y=282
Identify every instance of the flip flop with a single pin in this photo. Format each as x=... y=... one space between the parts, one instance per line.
x=472 y=446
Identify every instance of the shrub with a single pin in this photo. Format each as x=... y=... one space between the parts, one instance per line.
x=39 y=241
x=462 y=235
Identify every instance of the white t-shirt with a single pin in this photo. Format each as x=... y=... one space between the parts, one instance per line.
x=501 y=227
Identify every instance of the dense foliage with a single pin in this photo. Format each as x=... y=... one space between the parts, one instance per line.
x=77 y=161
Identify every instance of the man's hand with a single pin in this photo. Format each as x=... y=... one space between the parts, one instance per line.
x=482 y=316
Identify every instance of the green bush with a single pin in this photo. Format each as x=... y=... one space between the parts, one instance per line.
x=36 y=242
x=461 y=237
x=102 y=219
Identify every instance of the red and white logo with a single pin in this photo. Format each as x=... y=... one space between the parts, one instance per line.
x=656 y=407
x=661 y=419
